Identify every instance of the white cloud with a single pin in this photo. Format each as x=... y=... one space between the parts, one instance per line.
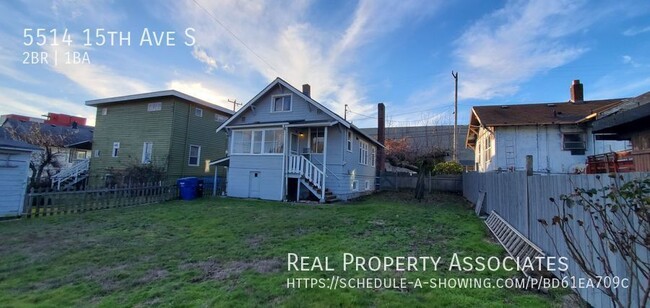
x=201 y=55
x=99 y=80
x=35 y=105
x=199 y=90
x=515 y=43
x=636 y=31
x=291 y=47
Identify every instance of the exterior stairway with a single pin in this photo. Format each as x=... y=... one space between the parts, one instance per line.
x=68 y=177
x=311 y=177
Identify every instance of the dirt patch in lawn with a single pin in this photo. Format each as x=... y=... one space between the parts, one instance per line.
x=256 y=241
x=216 y=270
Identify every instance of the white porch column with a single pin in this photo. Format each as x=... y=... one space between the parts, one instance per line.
x=284 y=162
x=322 y=192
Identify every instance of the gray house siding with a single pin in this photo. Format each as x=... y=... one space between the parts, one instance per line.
x=269 y=168
x=342 y=166
x=300 y=110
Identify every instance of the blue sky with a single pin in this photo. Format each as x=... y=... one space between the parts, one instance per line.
x=360 y=53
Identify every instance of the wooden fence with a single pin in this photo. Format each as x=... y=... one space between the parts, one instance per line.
x=394 y=181
x=522 y=200
x=44 y=202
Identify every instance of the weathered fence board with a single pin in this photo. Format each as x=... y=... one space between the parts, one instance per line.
x=523 y=200
x=46 y=202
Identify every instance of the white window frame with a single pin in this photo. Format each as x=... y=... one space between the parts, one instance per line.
x=198 y=156
x=97 y=153
x=104 y=111
x=274 y=97
x=367 y=184
x=198 y=112
x=116 y=149
x=373 y=156
x=363 y=153
x=147 y=147
x=220 y=117
x=311 y=130
x=253 y=140
x=155 y=106
x=355 y=185
x=350 y=143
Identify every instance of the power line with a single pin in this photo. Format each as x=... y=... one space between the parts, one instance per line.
x=234 y=35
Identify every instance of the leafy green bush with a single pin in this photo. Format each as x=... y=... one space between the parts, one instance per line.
x=448 y=167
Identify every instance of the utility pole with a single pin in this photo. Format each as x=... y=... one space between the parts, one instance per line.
x=455 y=75
x=234 y=104
x=345 y=113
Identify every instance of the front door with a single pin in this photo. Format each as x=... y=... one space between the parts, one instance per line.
x=294 y=144
x=254 y=184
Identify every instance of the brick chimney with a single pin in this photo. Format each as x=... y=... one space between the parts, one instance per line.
x=576 y=92
x=381 y=137
x=306 y=89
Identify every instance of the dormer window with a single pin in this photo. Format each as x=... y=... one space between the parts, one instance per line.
x=281 y=103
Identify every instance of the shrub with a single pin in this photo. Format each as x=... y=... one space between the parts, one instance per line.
x=449 y=167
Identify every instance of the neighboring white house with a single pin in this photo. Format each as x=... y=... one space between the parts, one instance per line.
x=74 y=153
x=286 y=146
x=557 y=135
x=14 y=167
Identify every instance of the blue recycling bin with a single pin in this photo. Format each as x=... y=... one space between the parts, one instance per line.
x=187 y=187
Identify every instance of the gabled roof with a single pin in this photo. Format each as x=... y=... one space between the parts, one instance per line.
x=74 y=137
x=308 y=99
x=157 y=94
x=9 y=144
x=630 y=114
x=535 y=114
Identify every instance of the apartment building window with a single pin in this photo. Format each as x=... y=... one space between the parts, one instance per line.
x=220 y=118
x=195 y=155
x=104 y=111
x=355 y=185
x=373 y=156
x=147 y=150
x=198 y=112
x=157 y=106
x=116 y=149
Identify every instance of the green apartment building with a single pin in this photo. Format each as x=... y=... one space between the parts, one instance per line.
x=170 y=130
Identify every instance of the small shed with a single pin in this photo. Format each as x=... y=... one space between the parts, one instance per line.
x=14 y=168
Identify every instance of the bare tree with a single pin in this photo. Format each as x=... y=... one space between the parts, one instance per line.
x=49 y=143
x=407 y=154
x=615 y=226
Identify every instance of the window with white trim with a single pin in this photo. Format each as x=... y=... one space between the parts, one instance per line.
x=147 y=150
x=258 y=141
x=105 y=111
x=97 y=153
x=349 y=141
x=198 y=112
x=317 y=136
x=367 y=185
x=363 y=152
x=373 y=156
x=220 y=117
x=281 y=103
x=355 y=185
x=574 y=142
x=157 y=106
x=116 y=149
x=194 y=156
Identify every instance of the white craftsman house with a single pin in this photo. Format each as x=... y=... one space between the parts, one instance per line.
x=283 y=145
x=558 y=136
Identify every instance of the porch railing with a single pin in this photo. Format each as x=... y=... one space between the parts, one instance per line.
x=301 y=165
x=71 y=174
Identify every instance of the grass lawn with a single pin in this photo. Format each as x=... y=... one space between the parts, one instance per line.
x=234 y=252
